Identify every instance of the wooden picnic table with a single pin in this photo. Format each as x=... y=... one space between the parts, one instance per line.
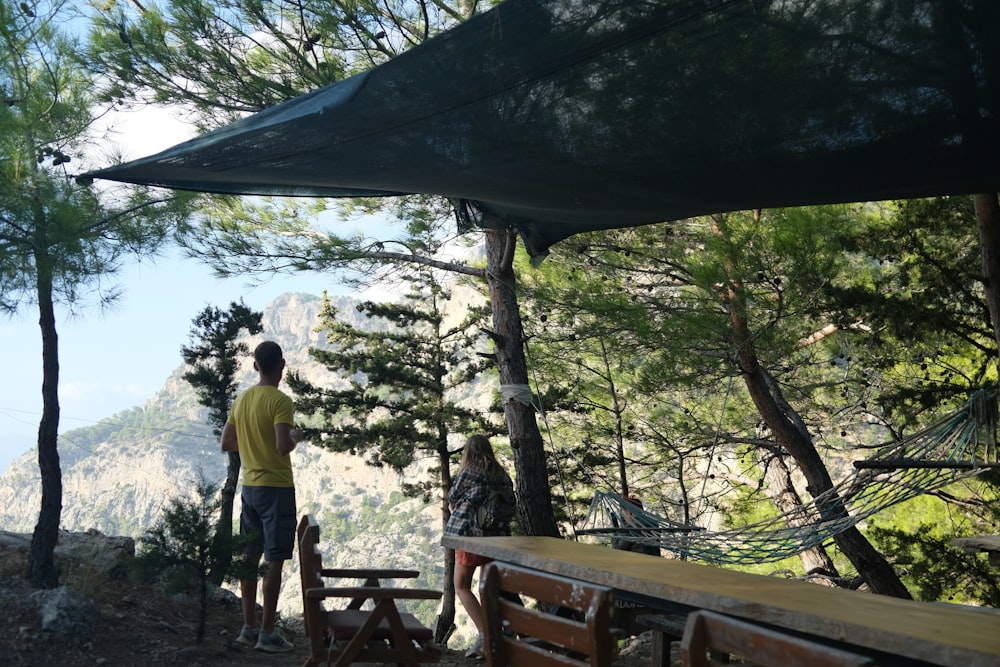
x=932 y=633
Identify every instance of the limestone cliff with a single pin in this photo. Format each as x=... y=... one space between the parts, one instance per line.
x=118 y=475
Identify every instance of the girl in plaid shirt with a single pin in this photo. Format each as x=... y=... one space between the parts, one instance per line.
x=478 y=474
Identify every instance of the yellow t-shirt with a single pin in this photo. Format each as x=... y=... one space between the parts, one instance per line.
x=254 y=414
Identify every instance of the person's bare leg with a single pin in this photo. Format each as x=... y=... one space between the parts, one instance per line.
x=248 y=601
x=463 y=589
x=270 y=589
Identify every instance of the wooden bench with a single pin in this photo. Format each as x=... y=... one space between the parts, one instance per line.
x=516 y=634
x=382 y=634
x=710 y=638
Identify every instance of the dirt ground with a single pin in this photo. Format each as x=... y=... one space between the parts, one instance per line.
x=134 y=624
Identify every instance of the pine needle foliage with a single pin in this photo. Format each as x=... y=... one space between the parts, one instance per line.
x=409 y=380
x=181 y=549
x=213 y=360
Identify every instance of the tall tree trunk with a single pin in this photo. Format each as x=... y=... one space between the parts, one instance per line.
x=789 y=430
x=988 y=220
x=785 y=497
x=533 y=492
x=446 y=619
x=224 y=528
x=41 y=560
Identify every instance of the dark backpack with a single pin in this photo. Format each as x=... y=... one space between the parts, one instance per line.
x=498 y=510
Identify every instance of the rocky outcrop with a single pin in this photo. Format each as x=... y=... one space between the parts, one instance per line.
x=64 y=610
x=79 y=553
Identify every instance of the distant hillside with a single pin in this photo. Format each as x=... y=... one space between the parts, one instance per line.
x=119 y=474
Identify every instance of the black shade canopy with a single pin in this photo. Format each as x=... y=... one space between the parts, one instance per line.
x=563 y=116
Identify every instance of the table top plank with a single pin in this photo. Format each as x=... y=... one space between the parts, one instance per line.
x=937 y=633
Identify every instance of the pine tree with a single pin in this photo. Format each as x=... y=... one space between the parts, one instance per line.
x=225 y=61
x=59 y=239
x=715 y=300
x=411 y=386
x=214 y=358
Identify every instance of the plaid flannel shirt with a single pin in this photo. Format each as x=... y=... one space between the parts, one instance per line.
x=469 y=491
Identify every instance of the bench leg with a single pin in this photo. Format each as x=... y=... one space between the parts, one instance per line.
x=660 y=655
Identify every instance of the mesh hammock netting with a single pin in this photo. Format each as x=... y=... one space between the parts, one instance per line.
x=958 y=446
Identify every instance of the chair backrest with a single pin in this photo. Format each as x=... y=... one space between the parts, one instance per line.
x=310 y=567
x=310 y=559
x=306 y=521
x=710 y=638
x=519 y=635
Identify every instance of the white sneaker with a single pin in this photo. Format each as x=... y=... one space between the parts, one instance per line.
x=273 y=643
x=477 y=648
x=248 y=636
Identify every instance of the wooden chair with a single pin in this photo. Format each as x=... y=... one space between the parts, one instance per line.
x=710 y=638
x=518 y=635
x=382 y=634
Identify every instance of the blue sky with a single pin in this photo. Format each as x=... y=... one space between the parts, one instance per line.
x=113 y=360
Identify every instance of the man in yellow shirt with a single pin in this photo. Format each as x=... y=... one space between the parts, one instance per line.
x=260 y=429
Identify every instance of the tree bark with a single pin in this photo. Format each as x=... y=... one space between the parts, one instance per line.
x=786 y=499
x=41 y=560
x=789 y=430
x=446 y=619
x=224 y=528
x=988 y=220
x=533 y=491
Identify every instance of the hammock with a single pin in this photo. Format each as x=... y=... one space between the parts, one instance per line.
x=958 y=446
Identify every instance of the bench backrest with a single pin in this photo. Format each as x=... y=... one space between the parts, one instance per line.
x=310 y=566
x=519 y=635
x=710 y=638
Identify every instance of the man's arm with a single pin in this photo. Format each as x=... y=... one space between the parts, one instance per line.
x=229 y=443
x=286 y=437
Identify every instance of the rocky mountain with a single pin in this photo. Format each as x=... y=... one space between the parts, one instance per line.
x=120 y=474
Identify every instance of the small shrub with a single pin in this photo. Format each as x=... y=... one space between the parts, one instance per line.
x=181 y=548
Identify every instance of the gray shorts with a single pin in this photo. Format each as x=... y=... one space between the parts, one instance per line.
x=269 y=513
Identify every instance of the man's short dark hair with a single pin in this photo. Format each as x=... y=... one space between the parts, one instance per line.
x=268 y=357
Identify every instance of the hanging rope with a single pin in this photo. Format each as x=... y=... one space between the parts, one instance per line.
x=537 y=402
x=958 y=446
x=715 y=442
